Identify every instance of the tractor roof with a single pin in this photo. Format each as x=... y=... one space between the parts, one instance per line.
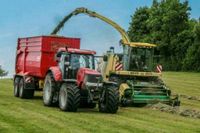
x=140 y=44
x=77 y=51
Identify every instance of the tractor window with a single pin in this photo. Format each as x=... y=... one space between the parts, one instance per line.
x=141 y=59
x=81 y=60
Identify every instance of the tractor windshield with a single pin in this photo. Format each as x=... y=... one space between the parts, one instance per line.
x=82 y=60
x=141 y=59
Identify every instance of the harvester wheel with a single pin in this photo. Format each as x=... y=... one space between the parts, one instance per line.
x=16 y=87
x=48 y=90
x=109 y=100
x=69 y=97
x=24 y=92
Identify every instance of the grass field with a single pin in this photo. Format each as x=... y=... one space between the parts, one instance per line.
x=19 y=115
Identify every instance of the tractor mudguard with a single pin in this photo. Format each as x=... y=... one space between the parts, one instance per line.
x=57 y=74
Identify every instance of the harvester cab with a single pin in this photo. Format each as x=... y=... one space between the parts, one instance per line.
x=141 y=59
x=139 y=82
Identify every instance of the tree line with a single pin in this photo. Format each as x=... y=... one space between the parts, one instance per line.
x=167 y=23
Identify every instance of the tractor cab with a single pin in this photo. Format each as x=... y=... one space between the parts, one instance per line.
x=79 y=65
x=71 y=60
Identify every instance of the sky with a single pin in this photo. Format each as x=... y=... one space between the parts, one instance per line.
x=24 y=18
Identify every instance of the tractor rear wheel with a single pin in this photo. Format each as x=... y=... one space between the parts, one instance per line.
x=48 y=90
x=16 y=87
x=24 y=92
x=69 y=97
x=109 y=100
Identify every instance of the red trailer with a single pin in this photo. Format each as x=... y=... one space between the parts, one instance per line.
x=65 y=73
x=34 y=57
x=36 y=54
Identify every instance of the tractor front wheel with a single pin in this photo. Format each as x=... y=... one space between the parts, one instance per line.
x=69 y=97
x=48 y=90
x=109 y=100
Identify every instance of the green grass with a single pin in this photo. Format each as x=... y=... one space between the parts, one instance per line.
x=184 y=83
x=19 y=115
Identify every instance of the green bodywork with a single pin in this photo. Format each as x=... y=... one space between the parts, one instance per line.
x=139 y=81
x=146 y=92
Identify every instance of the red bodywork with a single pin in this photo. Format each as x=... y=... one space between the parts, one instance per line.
x=56 y=73
x=84 y=71
x=35 y=55
x=78 y=51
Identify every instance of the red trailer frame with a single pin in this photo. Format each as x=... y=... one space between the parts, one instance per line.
x=35 y=55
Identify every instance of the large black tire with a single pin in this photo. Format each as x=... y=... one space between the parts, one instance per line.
x=109 y=100
x=25 y=93
x=49 y=89
x=16 y=86
x=69 y=97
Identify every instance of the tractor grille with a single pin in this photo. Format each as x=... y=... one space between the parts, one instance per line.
x=93 y=78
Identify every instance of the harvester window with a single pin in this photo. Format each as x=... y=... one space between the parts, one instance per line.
x=141 y=59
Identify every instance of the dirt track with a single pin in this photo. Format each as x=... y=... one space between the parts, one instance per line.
x=176 y=110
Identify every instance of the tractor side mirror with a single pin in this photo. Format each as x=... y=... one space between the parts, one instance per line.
x=58 y=55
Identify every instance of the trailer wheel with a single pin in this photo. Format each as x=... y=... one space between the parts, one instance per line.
x=109 y=100
x=48 y=90
x=69 y=97
x=24 y=92
x=16 y=87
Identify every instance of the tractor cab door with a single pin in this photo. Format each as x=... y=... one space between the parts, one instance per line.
x=74 y=65
x=64 y=64
x=70 y=65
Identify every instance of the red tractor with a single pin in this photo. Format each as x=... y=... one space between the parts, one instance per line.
x=72 y=82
